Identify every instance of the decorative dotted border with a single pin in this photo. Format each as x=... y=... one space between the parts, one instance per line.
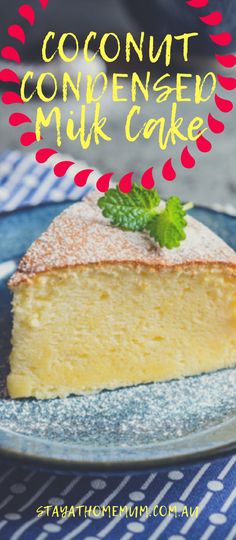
x=125 y=184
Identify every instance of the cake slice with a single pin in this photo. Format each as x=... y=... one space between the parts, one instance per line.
x=96 y=307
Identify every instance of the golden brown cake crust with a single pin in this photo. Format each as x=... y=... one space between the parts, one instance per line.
x=82 y=236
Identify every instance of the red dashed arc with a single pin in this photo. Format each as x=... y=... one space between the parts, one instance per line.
x=221 y=39
x=187 y=159
x=17 y=32
x=27 y=12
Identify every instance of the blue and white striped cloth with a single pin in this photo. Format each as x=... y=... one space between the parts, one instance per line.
x=211 y=485
x=25 y=182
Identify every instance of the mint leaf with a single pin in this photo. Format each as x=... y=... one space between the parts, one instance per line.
x=139 y=210
x=133 y=210
x=167 y=227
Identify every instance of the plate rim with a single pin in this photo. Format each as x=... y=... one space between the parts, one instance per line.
x=10 y=451
x=123 y=464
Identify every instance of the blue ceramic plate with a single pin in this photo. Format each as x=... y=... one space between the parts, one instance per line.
x=142 y=426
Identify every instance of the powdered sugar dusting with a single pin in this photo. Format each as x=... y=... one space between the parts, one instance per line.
x=143 y=415
x=81 y=236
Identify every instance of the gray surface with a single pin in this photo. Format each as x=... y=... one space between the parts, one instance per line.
x=211 y=181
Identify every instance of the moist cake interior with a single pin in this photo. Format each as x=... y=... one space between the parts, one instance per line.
x=88 y=328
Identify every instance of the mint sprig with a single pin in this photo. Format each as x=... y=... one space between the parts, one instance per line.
x=132 y=211
x=140 y=210
x=167 y=228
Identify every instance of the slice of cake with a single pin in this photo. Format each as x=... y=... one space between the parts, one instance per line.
x=96 y=307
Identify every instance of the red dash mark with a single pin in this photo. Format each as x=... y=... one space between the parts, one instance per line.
x=212 y=19
x=228 y=83
x=28 y=138
x=197 y=3
x=221 y=39
x=81 y=177
x=61 y=168
x=16 y=119
x=10 y=53
x=125 y=184
x=203 y=144
x=168 y=171
x=215 y=125
x=229 y=60
x=104 y=182
x=44 y=154
x=43 y=3
x=187 y=159
x=7 y=75
x=17 y=32
x=224 y=105
x=11 y=97
x=26 y=11
x=147 y=180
